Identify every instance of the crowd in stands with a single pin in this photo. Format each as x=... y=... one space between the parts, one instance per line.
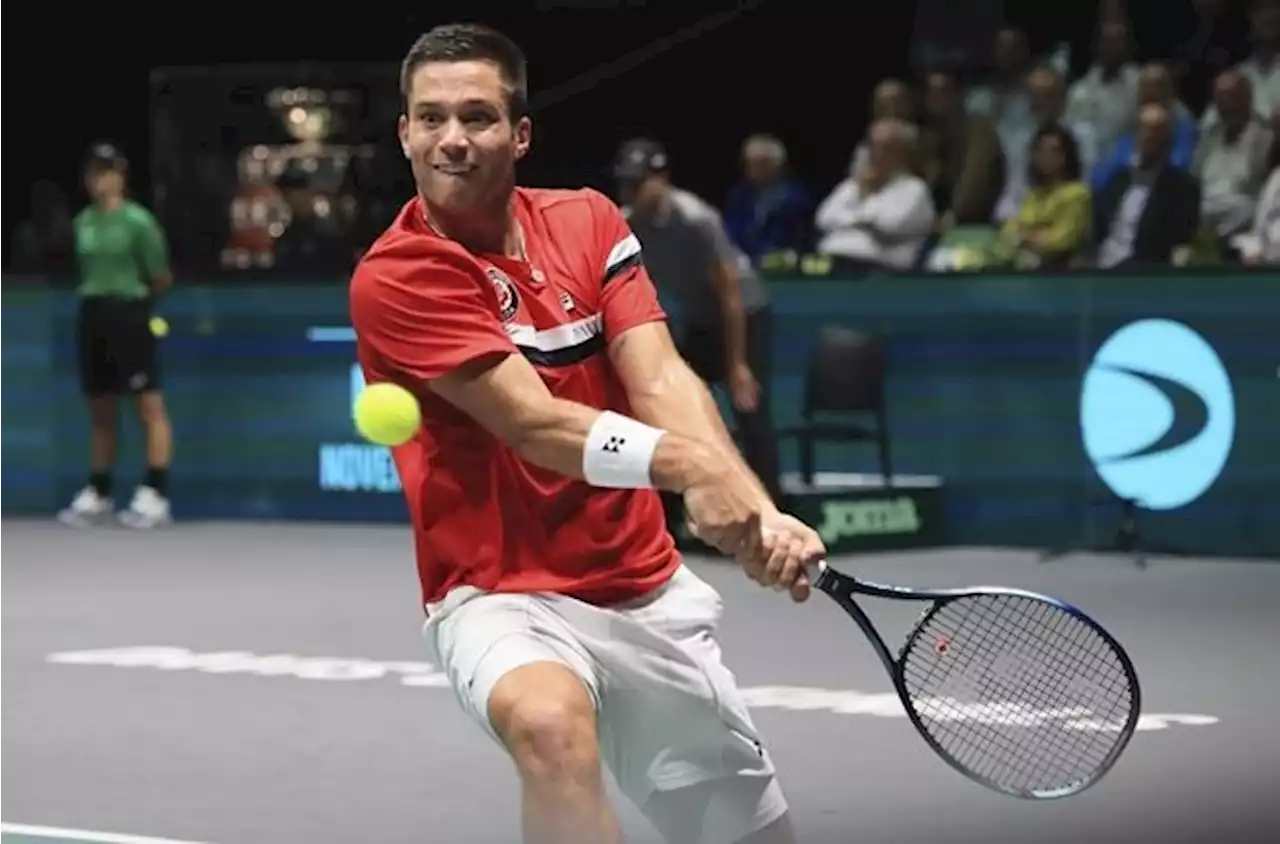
x=1168 y=162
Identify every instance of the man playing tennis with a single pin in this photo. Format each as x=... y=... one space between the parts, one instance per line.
x=554 y=408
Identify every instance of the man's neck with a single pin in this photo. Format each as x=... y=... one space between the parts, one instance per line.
x=492 y=233
x=110 y=203
x=1109 y=73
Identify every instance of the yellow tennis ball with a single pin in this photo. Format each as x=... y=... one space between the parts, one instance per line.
x=387 y=414
x=159 y=326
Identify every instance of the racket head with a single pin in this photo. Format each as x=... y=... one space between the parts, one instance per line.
x=1020 y=692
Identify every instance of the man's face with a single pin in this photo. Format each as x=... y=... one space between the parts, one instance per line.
x=103 y=182
x=1265 y=26
x=884 y=149
x=1155 y=86
x=760 y=168
x=459 y=137
x=892 y=99
x=1010 y=55
x=644 y=194
x=1153 y=133
x=1113 y=45
x=1045 y=91
x=1233 y=99
x=941 y=98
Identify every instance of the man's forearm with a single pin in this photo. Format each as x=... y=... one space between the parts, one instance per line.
x=555 y=437
x=681 y=403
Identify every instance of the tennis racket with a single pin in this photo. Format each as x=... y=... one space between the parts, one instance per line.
x=1019 y=692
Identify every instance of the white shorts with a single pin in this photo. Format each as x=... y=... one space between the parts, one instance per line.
x=673 y=727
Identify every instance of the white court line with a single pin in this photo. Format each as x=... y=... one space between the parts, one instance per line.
x=84 y=835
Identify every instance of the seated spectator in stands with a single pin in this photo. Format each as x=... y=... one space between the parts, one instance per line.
x=962 y=160
x=1155 y=87
x=1260 y=246
x=769 y=210
x=1262 y=67
x=1231 y=160
x=1104 y=97
x=891 y=98
x=879 y=217
x=1048 y=103
x=1004 y=99
x=1148 y=211
x=1053 y=222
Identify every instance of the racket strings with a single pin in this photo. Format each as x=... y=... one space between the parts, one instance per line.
x=1018 y=691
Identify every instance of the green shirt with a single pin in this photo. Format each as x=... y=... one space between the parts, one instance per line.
x=119 y=251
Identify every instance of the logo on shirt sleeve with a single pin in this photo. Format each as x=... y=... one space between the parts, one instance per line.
x=508 y=299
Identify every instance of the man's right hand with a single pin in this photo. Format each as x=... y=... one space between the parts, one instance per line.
x=724 y=512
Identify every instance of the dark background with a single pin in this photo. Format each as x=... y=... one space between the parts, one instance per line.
x=716 y=71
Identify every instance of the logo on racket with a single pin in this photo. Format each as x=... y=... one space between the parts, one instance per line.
x=1157 y=414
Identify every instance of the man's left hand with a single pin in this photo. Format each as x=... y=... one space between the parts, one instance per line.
x=790 y=548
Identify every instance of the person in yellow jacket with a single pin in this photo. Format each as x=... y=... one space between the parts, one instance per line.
x=1052 y=225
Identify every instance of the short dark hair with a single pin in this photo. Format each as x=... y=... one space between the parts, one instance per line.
x=462 y=42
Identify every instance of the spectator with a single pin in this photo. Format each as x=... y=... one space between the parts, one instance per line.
x=963 y=162
x=1055 y=216
x=1048 y=104
x=891 y=98
x=1212 y=48
x=768 y=211
x=1262 y=67
x=1155 y=87
x=1004 y=100
x=1261 y=245
x=1104 y=97
x=1148 y=210
x=726 y=332
x=1231 y=160
x=880 y=216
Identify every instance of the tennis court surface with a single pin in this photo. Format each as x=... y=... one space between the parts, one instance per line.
x=267 y=684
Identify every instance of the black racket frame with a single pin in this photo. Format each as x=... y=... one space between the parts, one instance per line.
x=842 y=588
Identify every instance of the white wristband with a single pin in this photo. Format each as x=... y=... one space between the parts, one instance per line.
x=619 y=452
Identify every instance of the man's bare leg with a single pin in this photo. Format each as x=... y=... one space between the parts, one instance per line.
x=544 y=715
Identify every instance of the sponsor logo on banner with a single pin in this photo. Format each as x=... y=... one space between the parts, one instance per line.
x=426 y=675
x=1157 y=414
x=849 y=518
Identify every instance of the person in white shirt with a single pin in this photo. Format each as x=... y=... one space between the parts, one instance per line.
x=1106 y=96
x=1262 y=68
x=1231 y=160
x=1260 y=247
x=881 y=215
x=1005 y=100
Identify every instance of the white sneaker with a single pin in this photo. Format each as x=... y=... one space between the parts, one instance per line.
x=148 y=509
x=86 y=509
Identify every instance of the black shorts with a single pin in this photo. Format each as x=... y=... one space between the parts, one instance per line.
x=117 y=351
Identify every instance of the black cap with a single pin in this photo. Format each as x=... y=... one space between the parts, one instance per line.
x=106 y=155
x=638 y=158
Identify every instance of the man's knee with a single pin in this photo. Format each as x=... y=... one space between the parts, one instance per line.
x=544 y=715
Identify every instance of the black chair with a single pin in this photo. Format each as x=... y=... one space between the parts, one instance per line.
x=846 y=378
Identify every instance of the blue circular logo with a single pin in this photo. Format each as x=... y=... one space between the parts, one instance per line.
x=1157 y=414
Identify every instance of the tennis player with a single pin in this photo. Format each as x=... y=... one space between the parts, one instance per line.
x=124 y=265
x=554 y=408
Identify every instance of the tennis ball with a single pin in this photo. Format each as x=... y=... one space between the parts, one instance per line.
x=387 y=414
x=159 y=326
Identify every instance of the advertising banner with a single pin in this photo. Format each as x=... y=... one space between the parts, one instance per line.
x=1038 y=401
